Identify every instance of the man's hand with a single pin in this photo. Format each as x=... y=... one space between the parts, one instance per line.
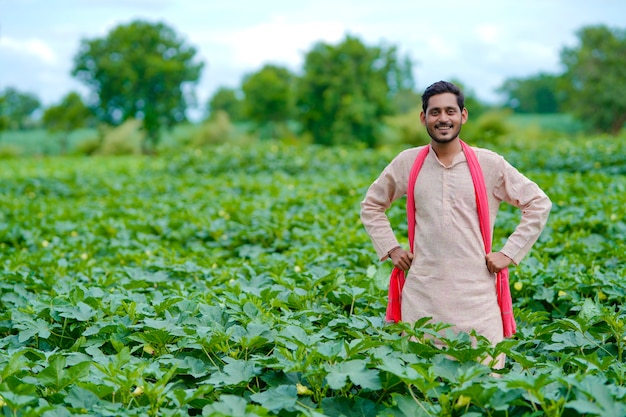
x=497 y=261
x=401 y=258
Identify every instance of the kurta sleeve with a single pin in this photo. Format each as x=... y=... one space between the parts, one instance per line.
x=388 y=187
x=519 y=191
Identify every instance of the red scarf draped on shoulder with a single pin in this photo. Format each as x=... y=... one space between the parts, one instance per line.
x=397 y=279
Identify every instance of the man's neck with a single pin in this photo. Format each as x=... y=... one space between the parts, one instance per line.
x=447 y=151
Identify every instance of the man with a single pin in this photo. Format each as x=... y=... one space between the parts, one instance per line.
x=450 y=277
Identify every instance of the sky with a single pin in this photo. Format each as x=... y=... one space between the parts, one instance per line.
x=480 y=43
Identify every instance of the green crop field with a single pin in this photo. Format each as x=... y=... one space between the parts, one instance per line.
x=240 y=282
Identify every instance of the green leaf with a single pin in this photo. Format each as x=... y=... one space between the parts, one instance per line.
x=590 y=312
x=14 y=365
x=504 y=397
x=341 y=406
x=282 y=397
x=57 y=377
x=584 y=406
x=390 y=362
x=355 y=370
x=17 y=401
x=82 y=398
x=30 y=327
x=412 y=408
x=574 y=340
x=80 y=312
x=603 y=396
x=235 y=372
x=227 y=406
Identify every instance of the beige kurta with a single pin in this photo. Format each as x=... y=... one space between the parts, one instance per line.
x=448 y=279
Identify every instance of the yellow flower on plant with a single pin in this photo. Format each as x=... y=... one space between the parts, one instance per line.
x=562 y=293
x=303 y=390
x=462 y=401
x=138 y=391
x=518 y=286
x=601 y=296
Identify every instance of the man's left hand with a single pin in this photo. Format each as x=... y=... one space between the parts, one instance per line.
x=497 y=261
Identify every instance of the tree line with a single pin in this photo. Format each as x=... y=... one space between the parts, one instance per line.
x=147 y=71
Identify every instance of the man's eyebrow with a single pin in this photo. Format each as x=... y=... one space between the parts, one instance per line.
x=445 y=108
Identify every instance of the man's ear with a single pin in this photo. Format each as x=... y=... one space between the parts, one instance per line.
x=423 y=118
x=464 y=115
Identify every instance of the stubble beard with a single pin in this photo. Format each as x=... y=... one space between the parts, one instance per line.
x=443 y=141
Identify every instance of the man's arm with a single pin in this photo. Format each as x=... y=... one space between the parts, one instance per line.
x=388 y=187
x=521 y=192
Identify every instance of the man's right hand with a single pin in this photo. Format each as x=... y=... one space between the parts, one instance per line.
x=401 y=258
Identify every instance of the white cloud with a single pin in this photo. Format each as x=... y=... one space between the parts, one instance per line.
x=488 y=34
x=284 y=41
x=32 y=47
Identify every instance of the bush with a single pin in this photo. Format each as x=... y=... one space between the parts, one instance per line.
x=122 y=140
x=219 y=130
x=406 y=129
x=87 y=147
x=214 y=131
x=489 y=128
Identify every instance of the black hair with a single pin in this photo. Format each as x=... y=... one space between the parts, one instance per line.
x=441 y=87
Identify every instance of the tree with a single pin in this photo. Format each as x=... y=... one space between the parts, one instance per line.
x=474 y=106
x=536 y=94
x=594 y=78
x=404 y=97
x=226 y=100
x=268 y=96
x=347 y=89
x=17 y=108
x=70 y=114
x=143 y=71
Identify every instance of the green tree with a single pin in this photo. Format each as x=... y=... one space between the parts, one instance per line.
x=227 y=100
x=404 y=97
x=536 y=94
x=17 y=108
x=594 y=78
x=70 y=114
x=475 y=107
x=406 y=101
x=268 y=96
x=140 y=70
x=347 y=89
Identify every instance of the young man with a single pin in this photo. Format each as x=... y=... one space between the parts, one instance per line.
x=450 y=277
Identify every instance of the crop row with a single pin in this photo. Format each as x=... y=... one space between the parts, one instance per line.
x=240 y=282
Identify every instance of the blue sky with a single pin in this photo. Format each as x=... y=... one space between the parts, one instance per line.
x=480 y=43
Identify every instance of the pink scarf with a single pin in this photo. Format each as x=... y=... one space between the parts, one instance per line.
x=397 y=279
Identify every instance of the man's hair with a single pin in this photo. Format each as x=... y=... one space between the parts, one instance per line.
x=441 y=87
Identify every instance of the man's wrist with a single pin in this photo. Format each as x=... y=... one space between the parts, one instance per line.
x=392 y=250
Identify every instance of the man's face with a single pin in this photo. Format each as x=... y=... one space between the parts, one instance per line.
x=443 y=118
